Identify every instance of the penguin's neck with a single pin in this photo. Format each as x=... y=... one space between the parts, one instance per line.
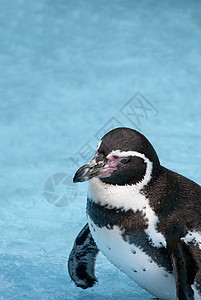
x=123 y=197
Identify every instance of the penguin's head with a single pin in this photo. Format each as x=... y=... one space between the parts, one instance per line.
x=123 y=156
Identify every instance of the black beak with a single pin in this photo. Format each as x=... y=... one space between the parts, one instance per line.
x=89 y=170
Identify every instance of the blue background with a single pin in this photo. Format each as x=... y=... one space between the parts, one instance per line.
x=68 y=68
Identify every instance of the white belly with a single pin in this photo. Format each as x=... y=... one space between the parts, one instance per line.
x=134 y=262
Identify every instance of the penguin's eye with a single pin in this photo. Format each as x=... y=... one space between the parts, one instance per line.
x=124 y=160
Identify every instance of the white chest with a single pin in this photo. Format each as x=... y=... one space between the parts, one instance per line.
x=127 y=197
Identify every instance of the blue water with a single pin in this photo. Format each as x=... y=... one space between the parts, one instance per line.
x=68 y=69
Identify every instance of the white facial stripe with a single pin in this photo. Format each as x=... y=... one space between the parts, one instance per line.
x=149 y=168
x=126 y=153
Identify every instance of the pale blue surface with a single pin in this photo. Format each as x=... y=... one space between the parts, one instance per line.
x=68 y=67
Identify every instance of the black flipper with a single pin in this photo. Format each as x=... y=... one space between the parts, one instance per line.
x=184 y=268
x=82 y=259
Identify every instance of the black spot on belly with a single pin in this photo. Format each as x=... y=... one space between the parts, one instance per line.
x=133 y=226
x=134 y=271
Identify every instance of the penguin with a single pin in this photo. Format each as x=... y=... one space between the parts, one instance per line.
x=145 y=218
